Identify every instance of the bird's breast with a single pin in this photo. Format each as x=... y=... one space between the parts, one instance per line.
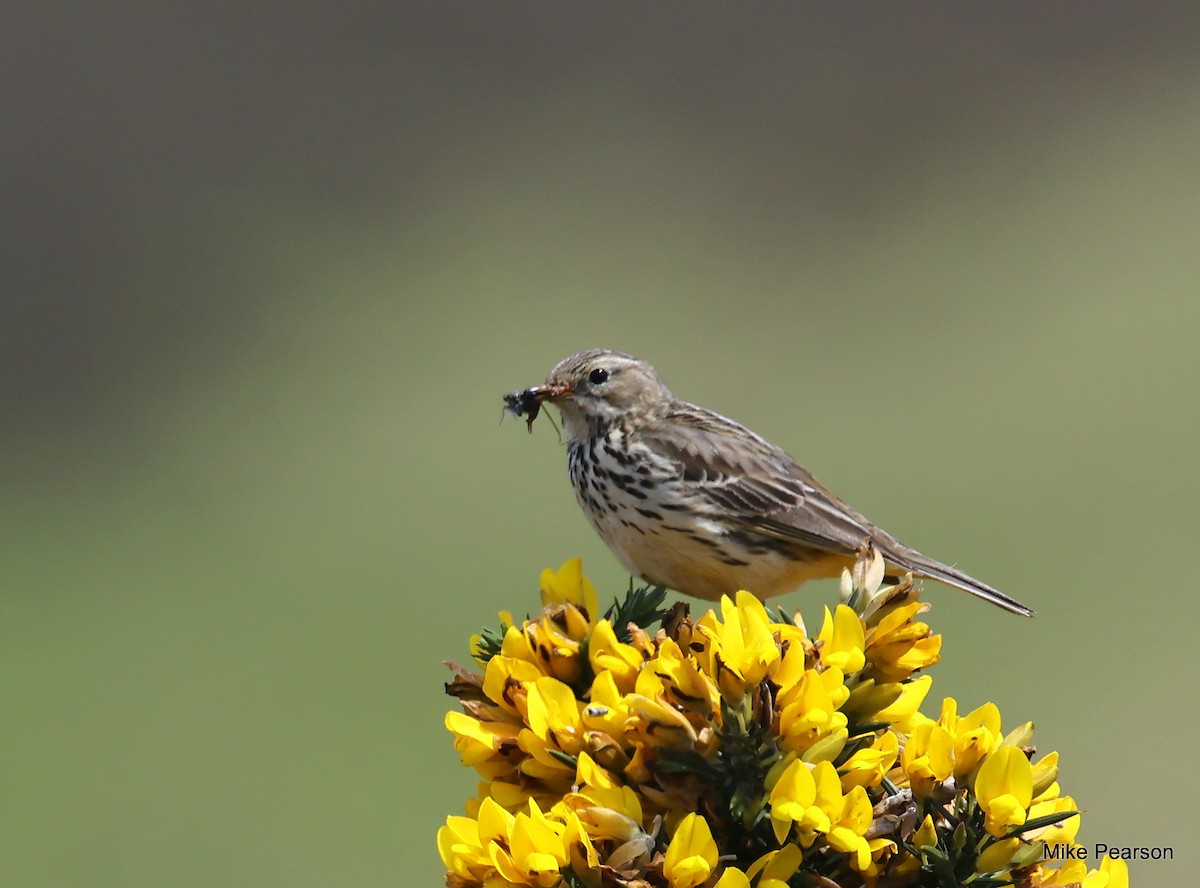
x=661 y=529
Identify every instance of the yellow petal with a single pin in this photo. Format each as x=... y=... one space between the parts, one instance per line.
x=997 y=856
x=1117 y=872
x=691 y=855
x=1004 y=788
x=733 y=878
x=494 y=822
x=844 y=640
x=553 y=711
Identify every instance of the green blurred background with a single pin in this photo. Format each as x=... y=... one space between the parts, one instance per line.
x=268 y=269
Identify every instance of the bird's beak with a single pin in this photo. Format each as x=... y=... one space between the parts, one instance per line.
x=550 y=391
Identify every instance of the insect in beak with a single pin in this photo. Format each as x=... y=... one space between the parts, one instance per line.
x=528 y=403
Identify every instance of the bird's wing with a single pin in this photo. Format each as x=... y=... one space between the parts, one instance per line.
x=760 y=489
x=757 y=486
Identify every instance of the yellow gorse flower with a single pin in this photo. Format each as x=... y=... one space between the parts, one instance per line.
x=802 y=801
x=847 y=830
x=607 y=655
x=898 y=645
x=740 y=649
x=843 y=640
x=568 y=586
x=736 y=751
x=678 y=679
x=953 y=746
x=691 y=855
x=975 y=735
x=1004 y=787
x=808 y=710
x=1075 y=874
x=870 y=764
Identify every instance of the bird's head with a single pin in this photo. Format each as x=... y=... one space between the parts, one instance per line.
x=597 y=387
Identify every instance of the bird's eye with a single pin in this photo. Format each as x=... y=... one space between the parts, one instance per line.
x=599 y=376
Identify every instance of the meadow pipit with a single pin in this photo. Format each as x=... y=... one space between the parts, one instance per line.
x=688 y=499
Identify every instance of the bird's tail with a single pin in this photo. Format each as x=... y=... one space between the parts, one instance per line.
x=923 y=566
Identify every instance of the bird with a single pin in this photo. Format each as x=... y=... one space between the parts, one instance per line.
x=693 y=501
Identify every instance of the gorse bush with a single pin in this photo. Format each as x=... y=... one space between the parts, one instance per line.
x=646 y=748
